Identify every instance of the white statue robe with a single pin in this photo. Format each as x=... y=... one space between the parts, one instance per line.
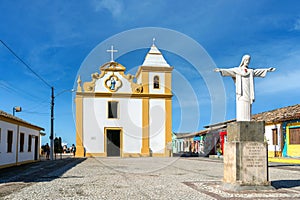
x=244 y=82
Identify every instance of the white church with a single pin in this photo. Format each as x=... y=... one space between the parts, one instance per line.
x=123 y=115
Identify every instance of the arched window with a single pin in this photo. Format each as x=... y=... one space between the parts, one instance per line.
x=156 y=82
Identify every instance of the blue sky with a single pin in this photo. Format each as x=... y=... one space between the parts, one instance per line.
x=54 y=38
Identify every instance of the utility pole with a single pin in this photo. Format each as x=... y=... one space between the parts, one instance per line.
x=52 y=124
x=52 y=120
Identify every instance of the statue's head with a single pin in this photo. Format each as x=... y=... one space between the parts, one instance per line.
x=245 y=60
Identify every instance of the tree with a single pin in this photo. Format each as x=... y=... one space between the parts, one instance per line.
x=57 y=146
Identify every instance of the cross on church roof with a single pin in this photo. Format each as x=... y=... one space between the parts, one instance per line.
x=112 y=51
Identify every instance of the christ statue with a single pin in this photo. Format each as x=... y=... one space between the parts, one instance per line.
x=244 y=83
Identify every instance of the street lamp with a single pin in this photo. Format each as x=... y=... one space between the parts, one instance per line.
x=52 y=119
x=16 y=109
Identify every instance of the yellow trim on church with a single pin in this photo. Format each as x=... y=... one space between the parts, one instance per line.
x=168 y=83
x=112 y=66
x=145 y=82
x=168 y=124
x=152 y=69
x=79 y=126
x=95 y=155
x=145 y=127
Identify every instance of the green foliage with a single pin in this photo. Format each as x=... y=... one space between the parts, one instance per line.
x=57 y=145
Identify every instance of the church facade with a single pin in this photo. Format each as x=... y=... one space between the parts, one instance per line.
x=118 y=114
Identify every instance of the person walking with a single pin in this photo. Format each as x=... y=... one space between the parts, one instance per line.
x=73 y=150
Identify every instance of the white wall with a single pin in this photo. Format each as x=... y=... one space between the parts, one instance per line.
x=93 y=138
x=157 y=125
x=25 y=155
x=161 y=89
x=95 y=119
x=5 y=157
x=269 y=137
x=11 y=158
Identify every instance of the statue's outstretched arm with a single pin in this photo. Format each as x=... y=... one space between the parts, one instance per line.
x=263 y=72
x=226 y=72
x=271 y=69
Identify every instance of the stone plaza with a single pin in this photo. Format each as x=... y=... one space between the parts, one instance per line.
x=140 y=178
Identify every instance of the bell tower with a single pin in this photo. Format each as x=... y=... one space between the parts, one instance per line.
x=155 y=74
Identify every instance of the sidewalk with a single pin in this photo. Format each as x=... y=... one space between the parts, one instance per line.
x=285 y=160
x=140 y=178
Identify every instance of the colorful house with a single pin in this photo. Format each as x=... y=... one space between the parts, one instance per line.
x=282 y=131
x=191 y=144
x=182 y=143
x=218 y=136
x=19 y=141
x=202 y=143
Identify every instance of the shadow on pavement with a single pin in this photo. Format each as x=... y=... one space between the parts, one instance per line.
x=46 y=170
x=15 y=178
x=285 y=184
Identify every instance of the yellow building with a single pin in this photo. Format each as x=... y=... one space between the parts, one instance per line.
x=293 y=139
x=119 y=114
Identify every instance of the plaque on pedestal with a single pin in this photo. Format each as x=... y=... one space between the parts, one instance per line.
x=245 y=159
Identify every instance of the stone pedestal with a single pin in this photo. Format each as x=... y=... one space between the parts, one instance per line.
x=245 y=157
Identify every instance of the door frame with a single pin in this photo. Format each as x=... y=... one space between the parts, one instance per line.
x=121 y=139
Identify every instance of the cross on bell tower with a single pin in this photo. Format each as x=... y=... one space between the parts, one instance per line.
x=112 y=51
x=153 y=42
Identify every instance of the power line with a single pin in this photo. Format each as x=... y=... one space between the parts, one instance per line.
x=37 y=113
x=13 y=89
x=22 y=61
x=38 y=105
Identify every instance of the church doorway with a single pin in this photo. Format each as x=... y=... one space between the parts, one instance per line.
x=113 y=142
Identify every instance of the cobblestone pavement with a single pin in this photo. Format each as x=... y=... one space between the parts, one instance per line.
x=15 y=178
x=140 y=178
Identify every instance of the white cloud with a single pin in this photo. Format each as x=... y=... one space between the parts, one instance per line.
x=297 y=25
x=115 y=7
x=283 y=81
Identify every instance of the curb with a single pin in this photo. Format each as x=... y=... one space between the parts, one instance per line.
x=285 y=160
